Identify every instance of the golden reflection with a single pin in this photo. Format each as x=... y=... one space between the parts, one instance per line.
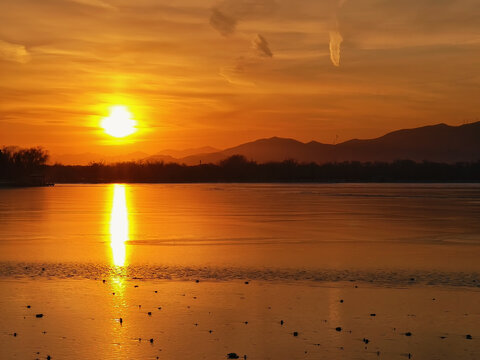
x=119 y=225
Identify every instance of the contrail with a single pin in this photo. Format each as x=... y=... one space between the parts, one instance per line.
x=335 y=41
x=335 y=37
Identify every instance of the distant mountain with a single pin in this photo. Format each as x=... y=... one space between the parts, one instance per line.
x=441 y=143
x=170 y=155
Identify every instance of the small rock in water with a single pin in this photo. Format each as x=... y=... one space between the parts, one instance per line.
x=104 y=281
x=135 y=286
x=373 y=314
x=469 y=337
x=14 y=334
x=366 y=341
x=149 y=313
x=121 y=320
x=246 y=282
x=246 y=322
x=295 y=333
x=338 y=328
x=341 y=300
x=48 y=357
x=28 y=306
x=197 y=281
x=408 y=333
x=159 y=308
x=151 y=341
x=156 y=291
x=232 y=356
x=39 y=315
x=281 y=322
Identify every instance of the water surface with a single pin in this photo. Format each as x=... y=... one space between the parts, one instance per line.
x=381 y=232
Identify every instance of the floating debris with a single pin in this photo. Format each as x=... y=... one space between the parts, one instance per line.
x=408 y=333
x=373 y=314
x=281 y=322
x=338 y=328
x=151 y=341
x=246 y=282
x=341 y=301
x=38 y=315
x=232 y=356
x=149 y=313
x=295 y=333
x=365 y=340
x=468 y=337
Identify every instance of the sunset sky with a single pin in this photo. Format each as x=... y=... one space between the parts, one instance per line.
x=219 y=73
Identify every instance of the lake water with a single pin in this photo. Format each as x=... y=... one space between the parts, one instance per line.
x=198 y=271
x=374 y=232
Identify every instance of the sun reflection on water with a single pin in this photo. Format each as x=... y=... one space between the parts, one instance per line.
x=119 y=225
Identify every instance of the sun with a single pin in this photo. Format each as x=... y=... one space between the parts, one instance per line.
x=120 y=123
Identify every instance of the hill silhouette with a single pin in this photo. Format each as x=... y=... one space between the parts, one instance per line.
x=439 y=143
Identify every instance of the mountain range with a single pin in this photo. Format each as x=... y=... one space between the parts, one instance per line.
x=440 y=143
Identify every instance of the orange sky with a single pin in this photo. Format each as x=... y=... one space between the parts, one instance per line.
x=220 y=73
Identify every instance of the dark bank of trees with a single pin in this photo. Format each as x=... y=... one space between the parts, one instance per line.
x=28 y=167
x=22 y=166
x=238 y=169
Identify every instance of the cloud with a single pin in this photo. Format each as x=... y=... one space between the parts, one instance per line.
x=226 y=15
x=14 y=52
x=224 y=24
x=336 y=38
x=95 y=3
x=260 y=45
x=236 y=74
x=335 y=41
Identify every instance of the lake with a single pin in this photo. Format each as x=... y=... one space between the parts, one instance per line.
x=279 y=246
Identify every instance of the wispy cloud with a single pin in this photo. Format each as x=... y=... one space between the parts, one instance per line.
x=236 y=74
x=336 y=38
x=96 y=3
x=224 y=24
x=14 y=52
x=226 y=15
x=335 y=42
x=261 y=47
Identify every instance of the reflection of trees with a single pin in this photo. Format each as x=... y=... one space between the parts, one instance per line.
x=16 y=164
x=238 y=169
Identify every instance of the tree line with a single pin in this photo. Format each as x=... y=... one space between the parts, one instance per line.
x=238 y=169
x=19 y=165
x=16 y=164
